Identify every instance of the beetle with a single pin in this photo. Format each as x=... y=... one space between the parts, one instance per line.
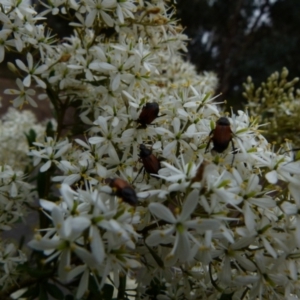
x=123 y=189
x=149 y=160
x=148 y=114
x=221 y=136
x=151 y=164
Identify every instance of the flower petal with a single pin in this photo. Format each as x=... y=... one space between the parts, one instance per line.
x=189 y=205
x=161 y=212
x=272 y=177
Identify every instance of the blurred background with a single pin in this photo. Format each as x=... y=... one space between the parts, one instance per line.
x=238 y=38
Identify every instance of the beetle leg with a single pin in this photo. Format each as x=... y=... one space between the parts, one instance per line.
x=161 y=115
x=210 y=139
x=236 y=136
x=144 y=172
x=234 y=152
x=206 y=149
x=138 y=174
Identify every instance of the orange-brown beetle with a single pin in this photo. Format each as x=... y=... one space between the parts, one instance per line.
x=221 y=136
x=123 y=189
x=151 y=164
x=148 y=114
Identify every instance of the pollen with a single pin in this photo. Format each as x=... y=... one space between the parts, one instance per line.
x=67 y=268
x=153 y=10
x=177 y=211
x=170 y=256
x=38 y=237
x=203 y=248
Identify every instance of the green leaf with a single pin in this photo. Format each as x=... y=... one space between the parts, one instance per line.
x=212 y=125
x=54 y=291
x=207 y=95
x=49 y=130
x=31 y=137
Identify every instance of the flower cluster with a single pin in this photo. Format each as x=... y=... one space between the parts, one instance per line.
x=88 y=220
x=14 y=127
x=196 y=224
x=276 y=101
x=10 y=259
x=15 y=194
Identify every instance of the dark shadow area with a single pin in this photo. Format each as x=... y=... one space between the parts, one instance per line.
x=242 y=38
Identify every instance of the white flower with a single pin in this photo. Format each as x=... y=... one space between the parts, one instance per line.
x=109 y=136
x=99 y=8
x=125 y=9
x=53 y=8
x=13 y=127
x=180 y=175
x=15 y=192
x=178 y=139
x=4 y=34
x=206 y=228
x=279 y=167
x=182 y=248
x=32 y=71
x=10 y=259
x=68 y=230
x=51 y=151
x=24 y=95
x=63 y=243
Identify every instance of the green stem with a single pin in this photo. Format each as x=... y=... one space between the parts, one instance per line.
x=177 y=149
x=213 y=282
x=203 y=101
